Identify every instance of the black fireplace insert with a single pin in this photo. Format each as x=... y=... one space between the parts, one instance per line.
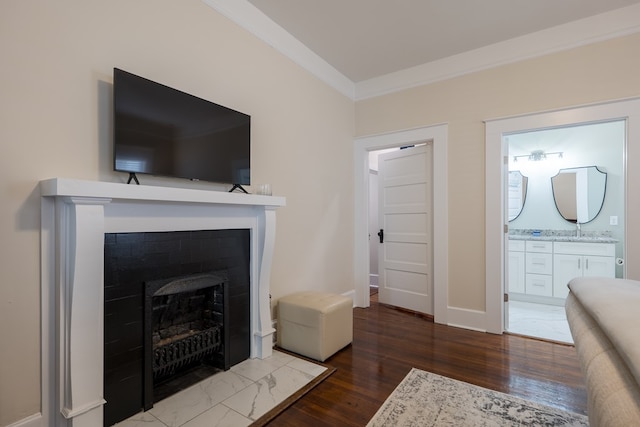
x=186 y=324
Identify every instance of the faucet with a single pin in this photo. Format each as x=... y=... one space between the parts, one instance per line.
x=577 y=229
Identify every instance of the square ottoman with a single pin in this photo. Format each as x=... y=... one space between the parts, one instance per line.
x=315 y=324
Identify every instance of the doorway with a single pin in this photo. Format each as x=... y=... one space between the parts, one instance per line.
x=373 y=215
x=497 y=159
x=362 y=146
x=564 y=184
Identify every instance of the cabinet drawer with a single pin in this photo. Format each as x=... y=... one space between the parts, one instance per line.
x=539 y=284
x=539 y=263
x=581 y=248
x=516 y=245
x=538 y=246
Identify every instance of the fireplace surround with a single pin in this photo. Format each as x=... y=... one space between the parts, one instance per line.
x=75 y=217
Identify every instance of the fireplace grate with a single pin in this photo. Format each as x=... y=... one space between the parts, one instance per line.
x=182 y=352
x=186 y=329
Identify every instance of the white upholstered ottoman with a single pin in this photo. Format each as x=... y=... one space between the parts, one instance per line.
x=315 y=324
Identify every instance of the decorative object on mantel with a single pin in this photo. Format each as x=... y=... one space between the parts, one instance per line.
x=425 y=399
x=264 y=189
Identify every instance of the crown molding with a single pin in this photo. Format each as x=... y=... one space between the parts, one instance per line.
x=605 y=26
x=585 y=31
x=253 y=20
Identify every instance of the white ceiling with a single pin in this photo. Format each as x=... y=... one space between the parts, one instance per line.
x=363 y=42
x=368 y=38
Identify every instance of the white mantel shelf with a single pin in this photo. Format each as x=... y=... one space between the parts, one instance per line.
x=76 y=215
x=63 y=187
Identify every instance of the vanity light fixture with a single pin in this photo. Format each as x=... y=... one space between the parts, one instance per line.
x=537 y=155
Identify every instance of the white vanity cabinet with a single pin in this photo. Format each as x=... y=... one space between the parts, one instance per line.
x=577 y=259
x=539 y=268
x=516 y=266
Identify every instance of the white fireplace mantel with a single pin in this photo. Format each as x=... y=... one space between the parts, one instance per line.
x=75 y=217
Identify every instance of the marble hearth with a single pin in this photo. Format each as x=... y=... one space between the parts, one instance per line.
x=75 y=217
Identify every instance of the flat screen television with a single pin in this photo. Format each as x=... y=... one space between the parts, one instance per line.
x=162 y=131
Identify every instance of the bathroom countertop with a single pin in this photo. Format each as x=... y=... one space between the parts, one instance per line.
x=586 y=236
x=583 y=239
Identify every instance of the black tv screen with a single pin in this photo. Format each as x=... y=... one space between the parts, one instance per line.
x=162 y=131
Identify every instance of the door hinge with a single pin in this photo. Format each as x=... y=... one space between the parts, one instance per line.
x=506 y=297
x=506 y=229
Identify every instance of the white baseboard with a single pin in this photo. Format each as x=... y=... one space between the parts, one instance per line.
x=351 y=294
x=34 y=420
x=467 y=319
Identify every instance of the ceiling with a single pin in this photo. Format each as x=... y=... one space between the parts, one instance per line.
x=366 y=48
x=363 y=39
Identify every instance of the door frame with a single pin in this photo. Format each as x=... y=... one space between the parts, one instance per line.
x=362 y=146
x=495 y=220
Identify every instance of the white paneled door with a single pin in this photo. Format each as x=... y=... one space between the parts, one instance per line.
x=406 y=235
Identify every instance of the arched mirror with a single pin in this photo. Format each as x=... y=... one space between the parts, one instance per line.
x=517 y=193
x=579 y=193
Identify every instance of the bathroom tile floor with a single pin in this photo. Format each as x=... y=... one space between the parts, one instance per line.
x=539 y=320
x=233 y=398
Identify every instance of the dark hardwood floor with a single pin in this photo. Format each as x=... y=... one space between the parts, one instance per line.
x=388 y=342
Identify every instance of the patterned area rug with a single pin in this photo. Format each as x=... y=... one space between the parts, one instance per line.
x=426 y=399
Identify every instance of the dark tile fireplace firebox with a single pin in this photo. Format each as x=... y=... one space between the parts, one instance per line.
x=199 y=277
x=185 y=325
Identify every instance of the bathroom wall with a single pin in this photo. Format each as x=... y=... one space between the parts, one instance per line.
x=601 y=145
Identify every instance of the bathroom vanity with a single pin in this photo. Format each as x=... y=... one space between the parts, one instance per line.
x=541 y=266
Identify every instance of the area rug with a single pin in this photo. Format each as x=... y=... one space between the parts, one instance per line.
x=426 y=399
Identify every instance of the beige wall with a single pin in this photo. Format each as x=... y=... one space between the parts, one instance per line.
x=595 y=73
x=57 y=60
x=55 y=120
